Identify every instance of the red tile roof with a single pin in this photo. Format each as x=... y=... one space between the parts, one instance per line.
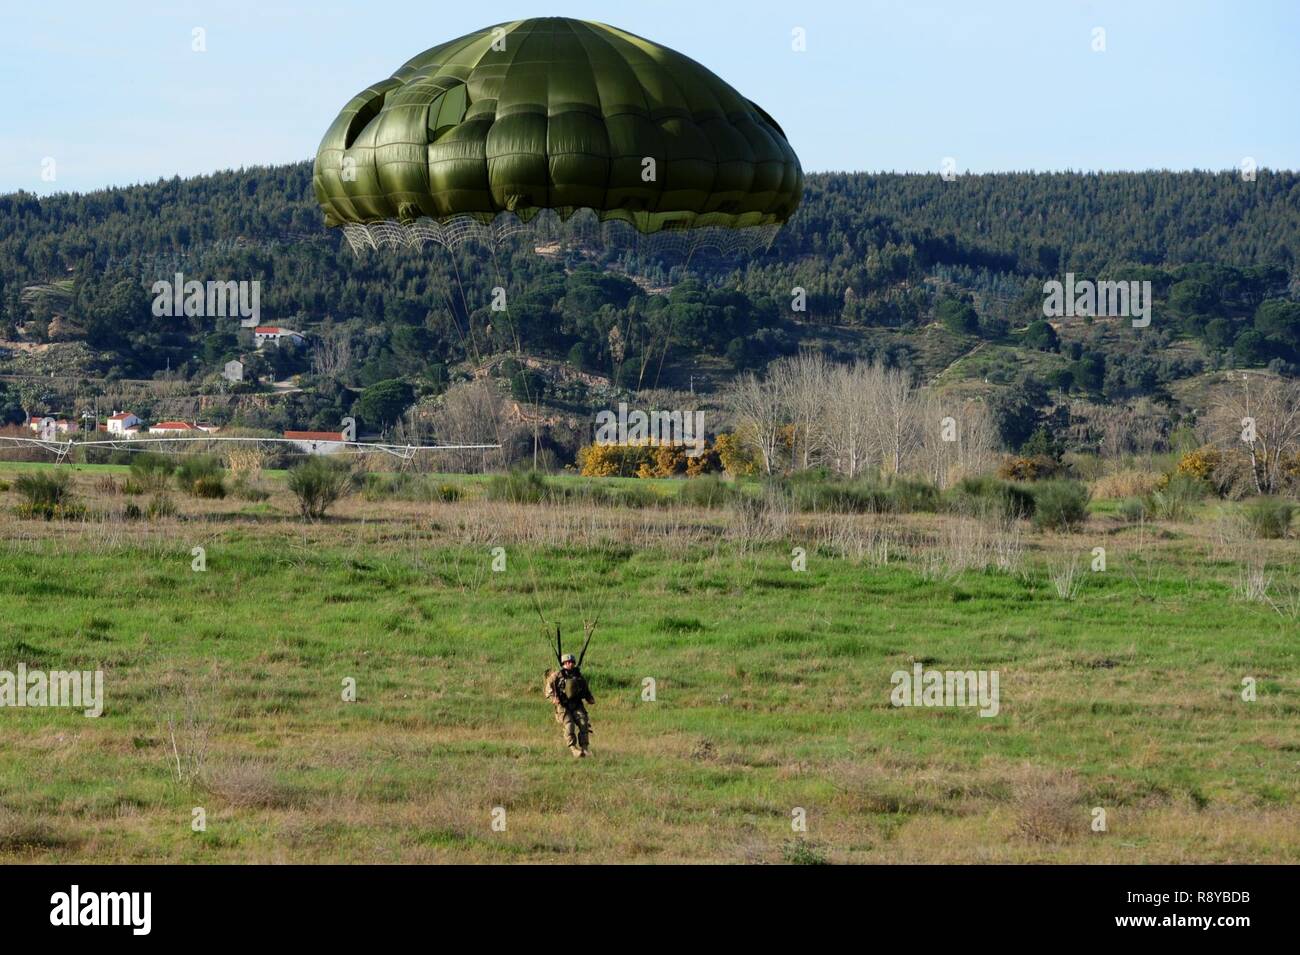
x=173 y=426
x=121 y=416
x=314 y=435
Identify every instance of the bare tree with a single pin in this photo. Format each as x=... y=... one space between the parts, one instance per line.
x=1140 y=429
x=1116 y=431
x=844 y=429
x=852 y=418
x=759 y=408
x=958 y=439
x=806 y=381
x=1261 y=415
x=897 y=413
x=331 y=353
x=471 y=413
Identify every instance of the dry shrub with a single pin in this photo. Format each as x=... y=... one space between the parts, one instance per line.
x=567 y=525
x=704 y=750
x=858 y=540
x=762 y=519
x=20 y=835
x=370 y=463
x=185 y=701
x=964 y=543
x=1047 y=805
x=1232 y=476
x=1122 y=484
x=1040 y=467
x=246 y=463
x=878 y=787
x=247 y=784
x=1231 y=535
x=1254 y=581
x=1065 y=577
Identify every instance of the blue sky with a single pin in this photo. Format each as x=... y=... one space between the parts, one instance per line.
x=114 y=94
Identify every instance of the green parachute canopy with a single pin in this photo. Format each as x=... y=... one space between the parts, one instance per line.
x=559 y=114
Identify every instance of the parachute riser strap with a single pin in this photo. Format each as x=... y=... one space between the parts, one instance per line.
x=591 y=629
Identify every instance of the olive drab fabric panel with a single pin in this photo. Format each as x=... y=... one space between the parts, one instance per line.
x=559 y=114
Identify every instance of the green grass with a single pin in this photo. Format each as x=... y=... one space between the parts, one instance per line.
x=772 y=693
x=665 y=486
x=19 y=467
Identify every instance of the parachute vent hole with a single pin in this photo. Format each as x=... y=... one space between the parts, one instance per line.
x=447 y=111
x=363 y=118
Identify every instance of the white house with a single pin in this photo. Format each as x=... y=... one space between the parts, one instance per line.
x=61 y=425
x=275 y=335
x=234 y=371
x=317 y=442
x=120 y=422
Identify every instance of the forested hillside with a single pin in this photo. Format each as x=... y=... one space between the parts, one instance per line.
x=942 y=277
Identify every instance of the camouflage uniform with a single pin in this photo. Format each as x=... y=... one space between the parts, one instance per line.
x=571 y=713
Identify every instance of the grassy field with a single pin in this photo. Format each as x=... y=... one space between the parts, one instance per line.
x=224 y=687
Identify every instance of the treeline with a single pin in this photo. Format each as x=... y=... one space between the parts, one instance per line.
x=869 y=250
x=1046 y=223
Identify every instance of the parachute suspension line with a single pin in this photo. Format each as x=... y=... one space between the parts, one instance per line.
x=376 y=235
x=471 y=349
x=469 y=318
x=519 y=354
x=358 y=236
x=589 y=628
x=672 y=322
x=487 y=237
x=537 y=605
x=591 y=612
x=608 y=236
x=451 y=311
x=627 y=344
x=668 y=338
